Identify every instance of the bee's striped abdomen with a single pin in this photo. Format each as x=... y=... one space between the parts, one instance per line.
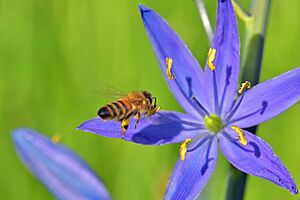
x=116 y=110
x=106 y=112
x=128 y=109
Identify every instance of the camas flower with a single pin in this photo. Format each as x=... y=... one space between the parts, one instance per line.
x=217 y=111
x=64 y=174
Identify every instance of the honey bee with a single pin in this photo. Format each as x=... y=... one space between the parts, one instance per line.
x=134 y=104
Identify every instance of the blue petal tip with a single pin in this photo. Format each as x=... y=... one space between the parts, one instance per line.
x=20 y=134
x=81 y=126
x=294 y=190
x=143 y=8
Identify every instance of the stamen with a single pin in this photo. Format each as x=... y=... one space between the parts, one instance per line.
x=241 y=134
x=216 y=95
x=56 y=138
x=183 y=148
x=235 y=107
x=200 y=106
x=211 y=56
x=245 y=85
x=169 y=63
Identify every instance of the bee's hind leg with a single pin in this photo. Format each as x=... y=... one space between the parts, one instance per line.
x=124 y=125
x=137 y=118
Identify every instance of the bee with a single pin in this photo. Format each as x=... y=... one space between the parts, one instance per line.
x=134 y=104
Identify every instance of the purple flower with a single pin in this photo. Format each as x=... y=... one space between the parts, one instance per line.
x=64 y=174
x=217 y=111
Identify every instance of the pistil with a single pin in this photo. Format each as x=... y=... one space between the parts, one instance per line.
x=213 y=123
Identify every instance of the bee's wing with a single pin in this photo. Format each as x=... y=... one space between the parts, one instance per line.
x=113 y=93
x=109 y=92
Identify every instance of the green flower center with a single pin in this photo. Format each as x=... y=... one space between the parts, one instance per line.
x=213 y=123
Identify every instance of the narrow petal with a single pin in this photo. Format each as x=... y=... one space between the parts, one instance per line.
x=187 y=71
x=256 y=158
x=268 y=99
x=64 y=174
x=221 y=84
x=191 y=175
x=164 y=127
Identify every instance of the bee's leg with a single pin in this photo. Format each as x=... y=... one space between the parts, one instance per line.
x=154 y=102
x=137 y=117
x=153 y=110
x=124 y=125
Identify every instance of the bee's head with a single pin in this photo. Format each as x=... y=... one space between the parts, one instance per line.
x=148 y=97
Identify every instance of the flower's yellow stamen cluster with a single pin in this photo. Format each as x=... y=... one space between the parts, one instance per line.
x=245 y=85
x=241 y=134
x=183 y=148
x=56 y=138
x=211 y=57
x=169 y=63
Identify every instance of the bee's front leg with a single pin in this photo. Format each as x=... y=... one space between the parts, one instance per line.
x=153 y=110
x=124 y=125
x=137 y=117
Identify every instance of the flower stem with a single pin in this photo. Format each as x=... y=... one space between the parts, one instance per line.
x=254 y=40
x=241 y=12
x=255 y=30
x=205 y=19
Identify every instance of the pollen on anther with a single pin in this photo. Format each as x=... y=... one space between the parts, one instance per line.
x=56 y=138
x=211 y=57
x=245 y=85
x=241 y=134
x=169 y=63
x=183 y=148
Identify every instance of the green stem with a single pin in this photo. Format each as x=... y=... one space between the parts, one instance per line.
x=205 y=20
x=241 y=12
x=255 y=30
x=254 y=41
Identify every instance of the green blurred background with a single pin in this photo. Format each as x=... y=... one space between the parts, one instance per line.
x=56 y=56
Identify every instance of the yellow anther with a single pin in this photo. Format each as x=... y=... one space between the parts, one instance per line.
x=211 y=57
x=241 y=134
x=169 y=63
x=245 y=85
x=183 y=148
x=56 y=138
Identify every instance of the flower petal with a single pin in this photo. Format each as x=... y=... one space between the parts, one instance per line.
x=256 y=158
x=191 y=175
x=221 y=84
x=268 y=99
x=164 y=127
x=64 y=174
x=187 y=71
